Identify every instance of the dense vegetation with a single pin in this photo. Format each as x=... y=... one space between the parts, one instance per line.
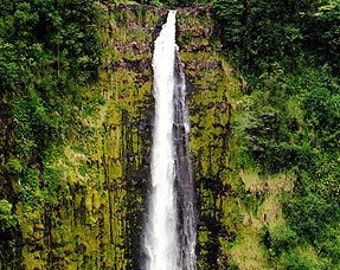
x=48 y=50
x=168 y=3
x=74 y=134
x=288 y=55
x=73 y=160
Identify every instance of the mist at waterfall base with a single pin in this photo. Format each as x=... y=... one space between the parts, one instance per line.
x=170 y=231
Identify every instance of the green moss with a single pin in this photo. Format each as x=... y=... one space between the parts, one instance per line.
x=77 y=203
x=90 y=192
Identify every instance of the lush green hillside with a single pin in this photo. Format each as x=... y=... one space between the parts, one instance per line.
x=75 y=135
x=287 y=119
x=75 y=131
x=49 y=51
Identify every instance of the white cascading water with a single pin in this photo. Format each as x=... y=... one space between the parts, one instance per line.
x=161 y=240
x=170 y=235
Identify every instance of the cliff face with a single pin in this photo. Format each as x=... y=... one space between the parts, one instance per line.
x=211 y=85
x=84 y=203
x=91 y=197
x=94 y=217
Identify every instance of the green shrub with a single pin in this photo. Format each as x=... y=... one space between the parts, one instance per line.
x=8 y=220
x=282 y=237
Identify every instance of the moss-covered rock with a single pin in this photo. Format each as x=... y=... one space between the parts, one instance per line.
x=82 y=204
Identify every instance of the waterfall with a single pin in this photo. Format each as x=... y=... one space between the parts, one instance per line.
x=170 y=234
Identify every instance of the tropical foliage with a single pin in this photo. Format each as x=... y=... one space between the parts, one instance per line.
x=48 y=51
x=73 y=160
x=288 y=55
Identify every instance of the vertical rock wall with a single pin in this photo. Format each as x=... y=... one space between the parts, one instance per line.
x=88 y=207
x=210 y=87
x=85 y=206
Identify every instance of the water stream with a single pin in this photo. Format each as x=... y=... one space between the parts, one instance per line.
x=170 y=234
